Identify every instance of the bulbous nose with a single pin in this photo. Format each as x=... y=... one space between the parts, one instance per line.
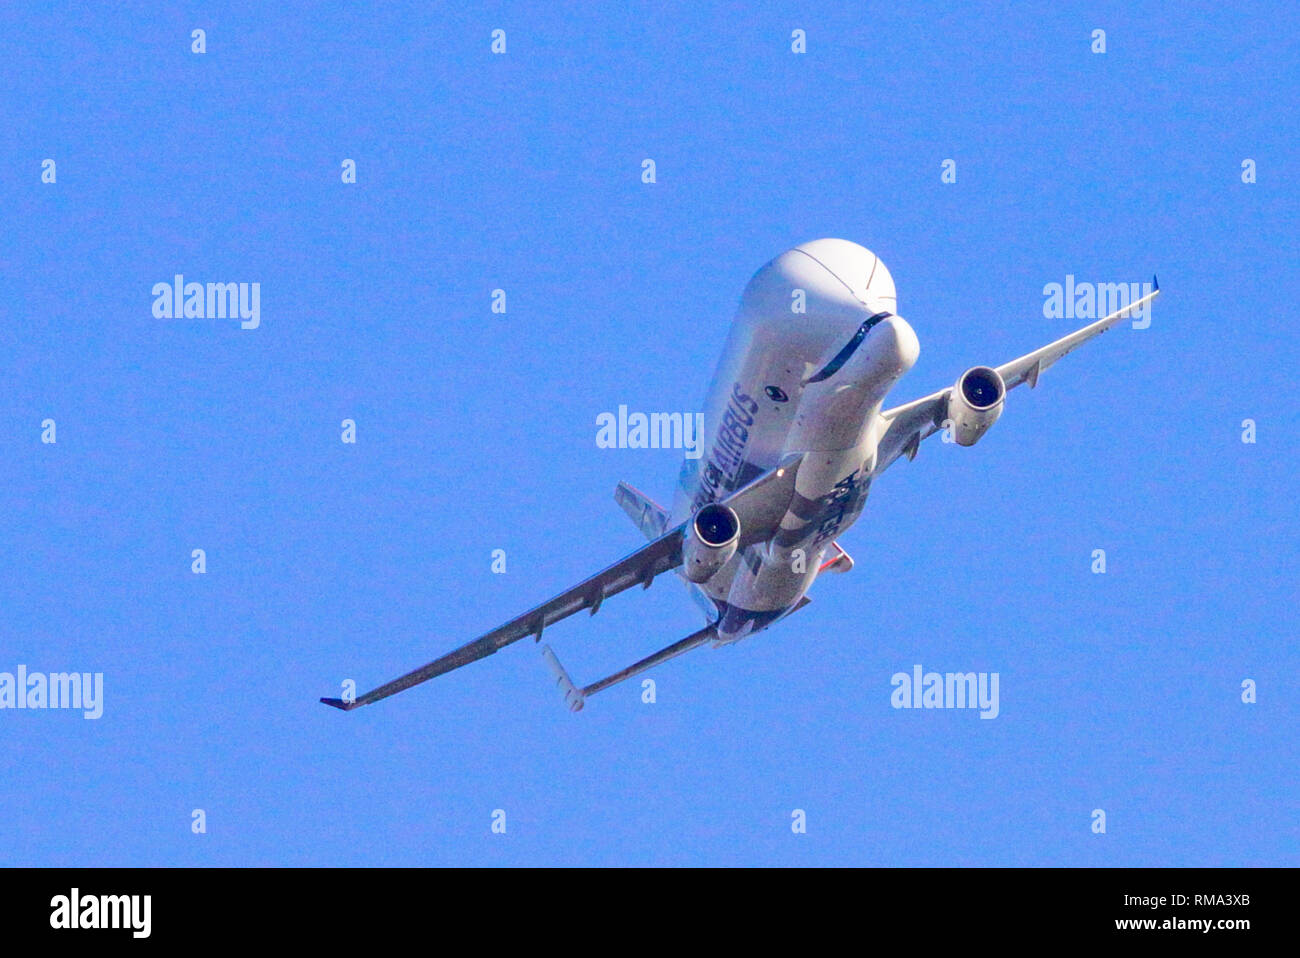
x=895 y=338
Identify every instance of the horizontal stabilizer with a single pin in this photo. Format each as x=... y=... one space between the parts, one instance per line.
x=646 y=514
x=694 y=640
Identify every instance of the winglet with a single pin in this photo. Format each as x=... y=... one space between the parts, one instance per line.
x=340 y=704
x=1155 y=283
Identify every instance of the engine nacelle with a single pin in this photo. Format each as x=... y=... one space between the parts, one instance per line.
x=710 y=541
x=975 y=404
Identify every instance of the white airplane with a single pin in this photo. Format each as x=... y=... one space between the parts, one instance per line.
x=795 y=433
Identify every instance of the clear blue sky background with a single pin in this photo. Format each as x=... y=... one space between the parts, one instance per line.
x=477 y=431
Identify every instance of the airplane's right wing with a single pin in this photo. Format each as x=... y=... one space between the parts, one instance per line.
x=914 y=421
x=759 y=506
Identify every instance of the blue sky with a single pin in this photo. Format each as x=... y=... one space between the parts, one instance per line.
x=476 y=431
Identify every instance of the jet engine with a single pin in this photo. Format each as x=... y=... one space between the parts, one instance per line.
x=710 y=541
x=975 y=404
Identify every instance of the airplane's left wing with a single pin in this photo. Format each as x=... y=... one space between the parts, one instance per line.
x=759 y=506
x=908 y=424
x=640 y=567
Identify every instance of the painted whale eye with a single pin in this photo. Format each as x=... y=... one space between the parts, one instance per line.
x=776 y=394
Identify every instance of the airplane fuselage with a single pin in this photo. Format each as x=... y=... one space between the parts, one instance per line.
x=812 y=352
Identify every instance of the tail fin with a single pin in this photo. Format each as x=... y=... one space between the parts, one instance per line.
x=840 y=562
x=646 y=514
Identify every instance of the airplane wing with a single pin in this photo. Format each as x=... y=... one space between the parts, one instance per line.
x=910 y=423
x=759 y=505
